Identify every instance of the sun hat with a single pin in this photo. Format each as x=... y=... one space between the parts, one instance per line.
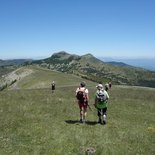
x=99 y=86
x=83 y=84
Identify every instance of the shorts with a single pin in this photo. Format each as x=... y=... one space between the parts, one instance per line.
x=53 y=87
x=104 y=110
x=83 y=106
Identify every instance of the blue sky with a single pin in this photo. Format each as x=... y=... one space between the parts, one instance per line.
x=107 y=28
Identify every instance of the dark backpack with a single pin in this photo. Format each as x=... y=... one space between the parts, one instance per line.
x=81 y=95
x=101 y=97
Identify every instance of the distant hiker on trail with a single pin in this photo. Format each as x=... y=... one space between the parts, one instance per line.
x=82 y=97
x=110 y=84
x=101 y=98
x=53 y=86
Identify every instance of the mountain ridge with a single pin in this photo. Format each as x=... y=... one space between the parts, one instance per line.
x=14 y=62
x=145 y=63
x=92 y=68
x=89 y=67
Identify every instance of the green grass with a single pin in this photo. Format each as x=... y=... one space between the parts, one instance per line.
x=6 y=69
x=37 y=122
x=42 y=78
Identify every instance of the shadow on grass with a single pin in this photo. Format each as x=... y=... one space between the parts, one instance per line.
x=78 y=122
x=91 y=122
x=72 y=121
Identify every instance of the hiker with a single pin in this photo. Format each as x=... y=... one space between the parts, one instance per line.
x=101 y=98
x=82 y=97
x=110 y=84
x=106 y=86
x=53 y=86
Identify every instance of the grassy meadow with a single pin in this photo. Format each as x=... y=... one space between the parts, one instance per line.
x=35 y=121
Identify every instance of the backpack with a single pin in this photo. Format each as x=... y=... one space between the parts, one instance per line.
x=53 y=86
x=81 y=95
x=101 y=97
x=106 y=87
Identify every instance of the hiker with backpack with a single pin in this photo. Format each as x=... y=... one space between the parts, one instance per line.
x=82 y=97
x=106 y=86
x=53 y=86
x=101 y=98
x=110 y=84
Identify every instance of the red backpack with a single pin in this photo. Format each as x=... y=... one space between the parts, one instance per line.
x=81 y=96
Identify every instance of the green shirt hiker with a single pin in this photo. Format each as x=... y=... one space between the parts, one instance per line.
x=101 y=97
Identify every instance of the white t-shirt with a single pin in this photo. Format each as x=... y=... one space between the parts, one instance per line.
x=82 y=89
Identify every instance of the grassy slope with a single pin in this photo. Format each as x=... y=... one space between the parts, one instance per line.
x=35 y=121
x=42 y=78
x=5 y=70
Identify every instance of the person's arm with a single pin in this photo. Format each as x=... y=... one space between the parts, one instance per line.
x=87 y=94
x=95 y=101
x=87 y=97
x=107 y=95
x=76 y=91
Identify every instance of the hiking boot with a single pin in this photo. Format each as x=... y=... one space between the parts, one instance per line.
x=104 y=119
x=99 y=120
x=84 y=121
x=81 y=121
x=104 y=122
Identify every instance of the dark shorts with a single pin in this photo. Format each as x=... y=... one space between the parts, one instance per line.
x=104 y=110
x=53 y=87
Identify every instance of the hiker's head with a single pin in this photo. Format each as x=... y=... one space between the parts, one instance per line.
x=82 y=84
x=106 y=85
x=99 y=86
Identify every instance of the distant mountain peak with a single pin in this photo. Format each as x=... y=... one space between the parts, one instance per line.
x=61 y=53
x=88 y=55
x=95 y=69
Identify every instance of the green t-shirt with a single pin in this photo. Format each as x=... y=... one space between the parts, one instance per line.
x=101 y=104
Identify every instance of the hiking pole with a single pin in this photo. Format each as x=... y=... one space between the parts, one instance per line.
x=90 y=107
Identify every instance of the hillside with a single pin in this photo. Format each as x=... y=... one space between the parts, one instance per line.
x=119 y=64
x=34 y=121
x=32 y=77
x=89 y=67
x=6 y=69
x=146 y=63
x=14 y=62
